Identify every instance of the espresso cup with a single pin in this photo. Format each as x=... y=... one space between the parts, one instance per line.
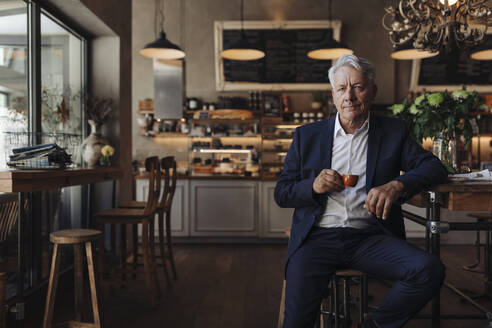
x=350 y=180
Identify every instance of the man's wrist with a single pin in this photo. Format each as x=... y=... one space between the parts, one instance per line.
x=398 y=185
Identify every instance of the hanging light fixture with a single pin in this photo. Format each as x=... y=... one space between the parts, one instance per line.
x=242 y=49
x=484 y=51
x=161 y=48
x=331 y=48
x=408 y=52
x=434 y=25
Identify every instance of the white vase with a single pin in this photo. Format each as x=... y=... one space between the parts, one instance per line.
x=91 y=147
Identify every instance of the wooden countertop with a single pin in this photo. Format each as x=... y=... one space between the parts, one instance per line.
x=459 y=196
x=36 y=180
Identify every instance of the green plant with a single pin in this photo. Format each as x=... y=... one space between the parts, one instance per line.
x=443 y=115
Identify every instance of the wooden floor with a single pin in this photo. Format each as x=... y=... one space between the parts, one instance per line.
x=224 y=286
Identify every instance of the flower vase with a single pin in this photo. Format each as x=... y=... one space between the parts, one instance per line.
x=445 y=150
x=91 y=147
x=105 y=161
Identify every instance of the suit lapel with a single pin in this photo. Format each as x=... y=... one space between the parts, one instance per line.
x=374 y=140
x=326 y=144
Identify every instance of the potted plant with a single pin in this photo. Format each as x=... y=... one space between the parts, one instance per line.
x=444 y=117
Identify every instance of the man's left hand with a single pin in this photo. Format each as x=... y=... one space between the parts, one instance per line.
x=379 y=199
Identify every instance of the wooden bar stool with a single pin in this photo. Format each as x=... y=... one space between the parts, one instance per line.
x=168 y=167
x=330 y=309
x=135 y=216
x=77 y=238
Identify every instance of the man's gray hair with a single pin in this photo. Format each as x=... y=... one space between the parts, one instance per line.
x=359 y=63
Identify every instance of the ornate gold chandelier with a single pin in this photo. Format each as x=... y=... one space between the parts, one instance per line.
x=433 y=25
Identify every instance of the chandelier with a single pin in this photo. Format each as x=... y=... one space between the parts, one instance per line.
x=434 y=25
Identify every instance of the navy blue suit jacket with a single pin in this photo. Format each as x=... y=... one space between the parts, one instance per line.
x=390 y=150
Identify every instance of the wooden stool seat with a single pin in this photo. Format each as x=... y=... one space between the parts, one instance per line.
x=77 y=238
x=124 y=213
x=138 y=204
x=74 y=236
x=349 y=273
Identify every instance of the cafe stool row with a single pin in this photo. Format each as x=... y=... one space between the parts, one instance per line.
x=134 y=214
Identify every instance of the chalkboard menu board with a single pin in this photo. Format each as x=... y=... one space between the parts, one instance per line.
x=286 y=58
x=455 y=68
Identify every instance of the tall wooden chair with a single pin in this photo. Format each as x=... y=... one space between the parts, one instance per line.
x=168 y=167
x=78 y=238
x=138 y=216
x=9 y=214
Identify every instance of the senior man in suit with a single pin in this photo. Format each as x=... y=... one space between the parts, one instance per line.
x=360 y=227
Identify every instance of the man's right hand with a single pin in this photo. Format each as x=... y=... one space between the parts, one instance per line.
x=328 y=181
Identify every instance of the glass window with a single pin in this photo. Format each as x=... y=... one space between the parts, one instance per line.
x=13 y=73
x=13 y=119
x=61 y=83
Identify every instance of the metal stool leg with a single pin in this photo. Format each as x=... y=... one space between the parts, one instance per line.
x=335 y=303
x=346 y=302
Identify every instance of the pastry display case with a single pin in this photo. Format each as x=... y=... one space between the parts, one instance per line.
x=276 y=139
x=226 y=147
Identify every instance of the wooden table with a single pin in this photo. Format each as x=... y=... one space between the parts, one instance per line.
x=25 y=182
x=455 y=196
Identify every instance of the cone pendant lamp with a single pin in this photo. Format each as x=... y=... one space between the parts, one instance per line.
x=242 y=49
x=162 y=48
x=331 y=48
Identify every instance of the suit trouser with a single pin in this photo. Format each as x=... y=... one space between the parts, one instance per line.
x=419 y=275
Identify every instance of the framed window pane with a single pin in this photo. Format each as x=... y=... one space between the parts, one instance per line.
x=13 y=120
x=61 y=82
x=13 y=74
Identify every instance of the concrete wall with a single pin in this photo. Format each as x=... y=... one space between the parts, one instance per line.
x=189 y=23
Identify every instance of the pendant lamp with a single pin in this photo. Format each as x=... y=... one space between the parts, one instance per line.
x=161 y=48
x=484 y=51
x=331 y=48
x=408 y=52
x=242 y=49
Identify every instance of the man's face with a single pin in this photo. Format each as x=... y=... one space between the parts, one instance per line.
x=352 y=94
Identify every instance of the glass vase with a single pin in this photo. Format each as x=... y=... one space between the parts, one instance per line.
x=446 y=151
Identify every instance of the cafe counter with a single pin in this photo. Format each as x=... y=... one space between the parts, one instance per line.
x=224 y=206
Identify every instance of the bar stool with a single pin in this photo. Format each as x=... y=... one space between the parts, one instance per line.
x=168 y=167
x=330 y=309
x=135 y=216
x=482 y=218
x=77 y=238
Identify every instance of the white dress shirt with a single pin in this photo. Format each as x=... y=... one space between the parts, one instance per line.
x=349 y=156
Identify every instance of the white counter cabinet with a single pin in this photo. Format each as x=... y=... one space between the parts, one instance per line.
x=180 y=209
x=274 y=219
x=224 y=208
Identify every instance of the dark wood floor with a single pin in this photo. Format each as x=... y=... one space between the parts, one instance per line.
x=240 y=286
